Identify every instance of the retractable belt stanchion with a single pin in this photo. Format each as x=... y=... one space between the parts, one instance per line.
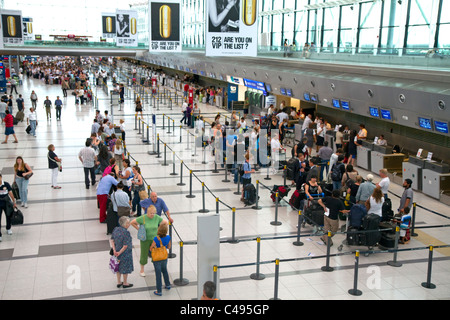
x=394 y=262
x=233 y=227
x=428 y=284
x=256 y=206
x=173 y=173
x=171 y=255
x=181 y=175
x=203 y=210
x=181 y=281
x=413 y=223
x=165 y=164
x=190 y=195
x=276 y=222
x=277 y=274
x=258 y=275
x=355 y=291
x=298 y=243
x=327 y=267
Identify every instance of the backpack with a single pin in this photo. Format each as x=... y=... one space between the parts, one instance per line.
x=249 y=194
x=336 y=172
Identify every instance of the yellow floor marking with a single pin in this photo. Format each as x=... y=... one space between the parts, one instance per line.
x=428 y=240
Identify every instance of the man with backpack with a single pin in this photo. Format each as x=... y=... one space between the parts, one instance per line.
x=337 y=172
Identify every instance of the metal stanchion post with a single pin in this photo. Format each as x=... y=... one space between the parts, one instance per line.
x=258 y=275
x=268 y=168
x=203 y=210
x=190 y=195
x=256 y=206
x=284 y=174
x=355 y=291
x=298 y=243
x=238 y=192
x=226 y=173
x=276 y=222
x=173 y=165
x=233 y=227
x=168 y=125
x=327 y=267
x=158 y=153
x=181 y=175
x=277 y=274
x=428 y=284
x=395 y=263
x=165 y=164
x=171 y=254
x=181 y=281
x=413 y=223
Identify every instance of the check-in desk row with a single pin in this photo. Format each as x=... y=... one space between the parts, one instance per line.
x=429 y=177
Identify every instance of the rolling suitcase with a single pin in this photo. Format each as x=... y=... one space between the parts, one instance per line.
x=290 y=174
x=112 y=219
x=353 y=236
x=371 y=222
x=296 y=198
x=315 y=214
x=20 y=115
x=387 y=240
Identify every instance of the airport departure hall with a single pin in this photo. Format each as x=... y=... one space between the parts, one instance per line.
x=230 y=150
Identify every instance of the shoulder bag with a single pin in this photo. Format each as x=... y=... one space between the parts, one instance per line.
x=58 y=163
x=142 y=233
x=159 y=254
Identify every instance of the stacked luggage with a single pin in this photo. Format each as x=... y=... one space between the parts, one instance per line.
x=283 y=191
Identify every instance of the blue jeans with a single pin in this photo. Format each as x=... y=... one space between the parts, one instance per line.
x=161 y=267
x=23 y=188
x=33 y=127
x=337 y=185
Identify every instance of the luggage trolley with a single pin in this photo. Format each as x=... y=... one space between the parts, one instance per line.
x=369 y=223
x=313 y=212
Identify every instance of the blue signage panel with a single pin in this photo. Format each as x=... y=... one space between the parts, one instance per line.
x=257 y=85
x=233 y=94
x=441 y=126
x=2 y=78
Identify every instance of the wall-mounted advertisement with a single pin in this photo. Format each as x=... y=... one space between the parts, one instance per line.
x=27 y=28
x=126 y=28
x=232 y=28
x=11 y=21
x=108 y=25
x=165 y=26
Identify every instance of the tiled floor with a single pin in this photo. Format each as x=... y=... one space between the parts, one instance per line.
x=61 y=252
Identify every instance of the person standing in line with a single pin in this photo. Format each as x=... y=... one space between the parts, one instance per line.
x=10 y=104
x=384 y=183
x=53 y=164
x=34 y=99
x=32 y=121
x=22 y=175
x=161 y=240
x=375 y=202
x=104 y=187
x=47 y=105
x=9 y=127
x=158 y=203
x=151 y=222
x=407 y=197
x=332 y=207
x=58 y=106
x=5 y=191
x=88 y=158
x=122 y=245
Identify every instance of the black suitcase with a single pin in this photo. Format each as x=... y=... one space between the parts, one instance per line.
x=386 y=210
x=387 y=240
x=290 y=168
x=315 y=214
x=370 y=224
x=296 y=198
x=15 y=121
x=112 y=219
x=249 y=194
x=353 y=236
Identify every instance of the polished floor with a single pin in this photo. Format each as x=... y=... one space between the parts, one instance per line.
x=62 y=251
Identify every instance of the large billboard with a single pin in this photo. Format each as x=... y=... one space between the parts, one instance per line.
x=11 y=21
x=108 y=25
x=165 y=26
x=232 y=28
x=126 y=28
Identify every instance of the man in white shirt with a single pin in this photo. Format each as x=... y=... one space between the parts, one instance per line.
x=384 y=183
x=306 y=123
x=282 y=115
x=88 y=158
x=276 y=147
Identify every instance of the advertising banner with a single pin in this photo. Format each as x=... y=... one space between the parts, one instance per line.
x=232 y=28
x=108 y=25
x=27 y=28
x=11 y=21
x=126 y=28
x=165 y=26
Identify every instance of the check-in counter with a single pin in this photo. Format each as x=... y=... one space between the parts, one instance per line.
x=435 y=179
x=364 y=155
x=412 y=169
x=382 y=157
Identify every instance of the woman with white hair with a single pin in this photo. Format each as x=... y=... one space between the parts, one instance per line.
x=122 y=246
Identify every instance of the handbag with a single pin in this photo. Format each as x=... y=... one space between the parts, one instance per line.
x=58 y=163
x=17 y=217
x=159 y=254
x=114 y=264
x=142 y=233
x=143 y=195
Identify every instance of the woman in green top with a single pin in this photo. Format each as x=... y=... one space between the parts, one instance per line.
x=151 y=221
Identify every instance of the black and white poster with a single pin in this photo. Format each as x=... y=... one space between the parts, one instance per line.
x=126 y=28
x=108 y=25
x=232 y=28
x=12 y=27
x=165 y=26
x=27 y=28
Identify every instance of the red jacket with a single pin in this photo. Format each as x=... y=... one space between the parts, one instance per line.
x=9 y=121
